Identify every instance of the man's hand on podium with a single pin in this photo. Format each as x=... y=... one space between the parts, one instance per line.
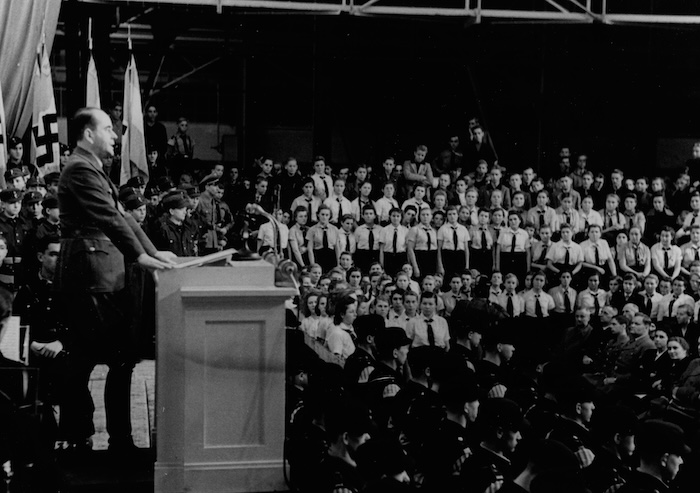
x=160 y=261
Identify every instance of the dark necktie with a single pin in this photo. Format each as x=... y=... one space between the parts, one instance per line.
x=538 y=307
x=695 y=217
x=257 y=198
x=568 y=218
x=543 y=254
x=509 y=305
x=597 y=255
x=325 y=238
x=454 y=237
x=308 y=207
x=585 y=224
x=670 y=305
x=608 y=220
x=596 y=303
x=347 y=242
x=647 y=304
x=431 y=334
x=430 y=241
x=371 y=240
x=325 y=185
x=512 y=243
x=340 y=209
x=541 y=218
x=567 y=302
x=697 y=254
x=395 y=240
x=666 y=260
x=567 y=257
x=484 y=244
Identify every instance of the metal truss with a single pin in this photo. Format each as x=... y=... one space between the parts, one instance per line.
x=546 y=11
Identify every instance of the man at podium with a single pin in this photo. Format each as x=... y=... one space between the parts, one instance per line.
x=96 y=238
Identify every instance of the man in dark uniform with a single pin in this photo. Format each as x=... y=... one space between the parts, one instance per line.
x=36 y=306
x=661 y=447
x=15 y=230
x=347 y=427
x=362 y=362
x=489 y=466
x=387 y=378
x=97 y=238
x=614 y=428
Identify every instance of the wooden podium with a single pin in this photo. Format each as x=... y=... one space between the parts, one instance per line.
x=220 y=379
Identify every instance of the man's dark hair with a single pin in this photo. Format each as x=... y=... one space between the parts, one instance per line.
x=44 y=242
x=83 y=118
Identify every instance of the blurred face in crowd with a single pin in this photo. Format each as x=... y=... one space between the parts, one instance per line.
x=151 y=114
x=676 y=351
x=660 y=339
x=17 y=152
x=48 y=259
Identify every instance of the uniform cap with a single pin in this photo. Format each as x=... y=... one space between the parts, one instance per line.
x=368 y=325
x=32 y=198
x=52 y=177
x=14 y=142
x=136 y=182
x=190 y=190
x=175 y=200
x=11 y=195
x=14 y=173
x=502 y=413
x=391 y=338
x=50 y=202
x=209 y=180
x=661 y=437
x=134 y=201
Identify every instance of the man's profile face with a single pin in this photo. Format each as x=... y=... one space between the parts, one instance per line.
x=102 y=137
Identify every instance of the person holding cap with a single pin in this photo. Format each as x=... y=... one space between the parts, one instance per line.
x=172 y=233
x=660 y=447
x=97 y=239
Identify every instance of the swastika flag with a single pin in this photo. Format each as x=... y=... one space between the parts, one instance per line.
x=44 y=117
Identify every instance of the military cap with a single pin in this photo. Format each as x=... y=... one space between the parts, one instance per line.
x=125 y=191
x=174 y=201
x=50 y=202
x=32 y=198
x=165 y=183
x=658 y=436
x=391 y=338
x=190 y=190
x=13 y=173
x=136 y=181
x=11 y=195
x=63 y=148
x=52 y=177
x=14 y=142
x=368 y=325
x=500 y=412
x=36 y=182
x=134 y=201
x=151 y=191
x=211 y=179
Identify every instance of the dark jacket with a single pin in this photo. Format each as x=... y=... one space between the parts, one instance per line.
x=96 y=236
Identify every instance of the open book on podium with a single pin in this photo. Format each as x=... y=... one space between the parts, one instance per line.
x=220 y=376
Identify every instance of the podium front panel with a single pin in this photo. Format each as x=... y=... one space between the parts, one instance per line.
x=220 y=380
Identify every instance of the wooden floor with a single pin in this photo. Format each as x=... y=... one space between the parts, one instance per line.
x=142 y=404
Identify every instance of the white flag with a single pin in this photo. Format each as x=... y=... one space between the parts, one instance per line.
x=133 y=140
x=3 y=141
x=92 y=99
x=44 y=117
